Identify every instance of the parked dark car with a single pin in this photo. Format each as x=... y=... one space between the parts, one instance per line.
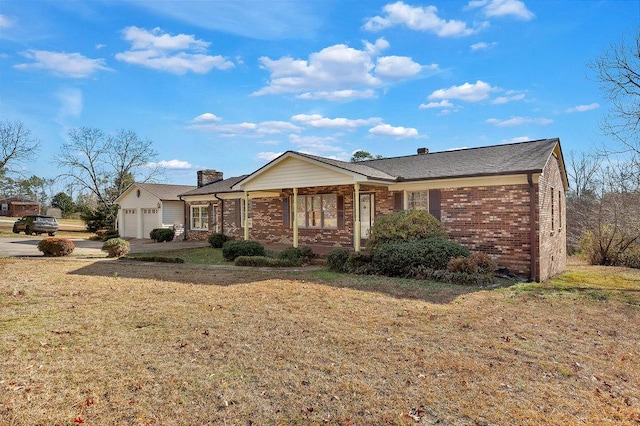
x=36 y=224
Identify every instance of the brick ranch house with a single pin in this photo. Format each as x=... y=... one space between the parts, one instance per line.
x=505 y=200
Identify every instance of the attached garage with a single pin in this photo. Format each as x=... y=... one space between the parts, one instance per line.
x=147 y=206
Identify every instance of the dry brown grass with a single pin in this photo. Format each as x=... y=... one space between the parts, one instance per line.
x=107 y=342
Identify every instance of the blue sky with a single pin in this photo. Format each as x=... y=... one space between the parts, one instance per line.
x=229 y=85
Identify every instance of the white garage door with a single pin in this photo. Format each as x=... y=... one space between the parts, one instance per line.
x=149 y=221
x=130 y=222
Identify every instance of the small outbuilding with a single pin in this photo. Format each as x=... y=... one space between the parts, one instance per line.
x=18 y=207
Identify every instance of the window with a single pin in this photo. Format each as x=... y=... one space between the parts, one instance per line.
x=318 y=211
x=418 y=200
x=129 y=211
x=200 y=217
x=559 y=211
x=149 y=211
x=552 y=211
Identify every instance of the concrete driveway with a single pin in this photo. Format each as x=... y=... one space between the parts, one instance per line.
x=28 y=247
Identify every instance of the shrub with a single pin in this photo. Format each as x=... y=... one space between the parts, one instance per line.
x=233 y=249
x=631 y=257
x=263 y=261
x=116 y=247
x=408 y=225
x=56 y=247
x=162 y=234
x=359 y=263
x=476 y=263
x=399 y=258
x=337 y=258
x=111 y=234
x=423 y=273
x=299 y=255
x=217 y=239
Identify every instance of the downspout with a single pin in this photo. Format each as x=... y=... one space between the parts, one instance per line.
x=221 y=213
x=533 y=275
x=356 y=223
x=246 y=215
x=295 y=217
x=185 y=211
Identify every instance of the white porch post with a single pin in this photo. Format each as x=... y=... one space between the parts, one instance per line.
x=356 y=214
x=295 y=217
x=245 y=220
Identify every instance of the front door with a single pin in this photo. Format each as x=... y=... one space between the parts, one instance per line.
x=366 y=214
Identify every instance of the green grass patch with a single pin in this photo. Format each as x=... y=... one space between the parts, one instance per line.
x=589 y=284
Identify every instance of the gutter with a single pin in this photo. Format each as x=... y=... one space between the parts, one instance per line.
x=532 y=230
x=221 y=212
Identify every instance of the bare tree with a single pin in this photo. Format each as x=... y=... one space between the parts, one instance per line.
x=618 y=72
x=105 y=165
x=16 y=145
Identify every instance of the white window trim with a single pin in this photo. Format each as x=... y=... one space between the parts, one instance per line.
x=303 y=224
x=406 y=198
x=199 y=207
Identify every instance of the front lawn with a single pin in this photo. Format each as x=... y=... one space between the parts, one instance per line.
x=101 y=342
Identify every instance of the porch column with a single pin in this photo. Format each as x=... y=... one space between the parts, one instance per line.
x=245 y=219
x=295 y=217
x=356 y=215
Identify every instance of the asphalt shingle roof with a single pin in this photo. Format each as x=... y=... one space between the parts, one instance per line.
x=165 y=192
x=216 y=187
x=491 y=160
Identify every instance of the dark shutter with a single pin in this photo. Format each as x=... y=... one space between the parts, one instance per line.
x=398 y=204
x=286 y=213
x=434 y=203
x=340 y=211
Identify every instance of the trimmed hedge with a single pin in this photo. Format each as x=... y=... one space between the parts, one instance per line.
x=398 y=259
x=116 y=247
x=444 y=276
x=217 y=239
x=161 y=235
x=407 y=225
x=233 y=249
x=56 y=247
x=297 y=255
x=476 y=263
x=263 y=261
x=337 y=258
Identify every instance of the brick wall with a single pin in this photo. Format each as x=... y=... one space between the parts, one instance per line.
x=493 y=219
x=553 y=230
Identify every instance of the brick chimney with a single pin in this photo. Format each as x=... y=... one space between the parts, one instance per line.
x=423 y=151
x=208 y=176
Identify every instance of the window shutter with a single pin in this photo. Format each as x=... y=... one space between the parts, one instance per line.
x=340 y=211
x=286 y=213
x=434 y=203
x=398 y=204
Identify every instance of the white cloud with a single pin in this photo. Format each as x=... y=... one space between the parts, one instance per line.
x=5 y=21
x=483 y=45
x=268 y=156
x=100 y=46
x=445 y=104
x=517 y=139
x=519 y=121
x=398 y=132
x=467 y=92
x=322 y=146
x=245 y=128
x=206 y=118
x=72 y=65
x=396 y=67
x=318 y=121
x=583 y=108
x=172 y=164
x=418 y=19
x=338 y=95
x=510 y=96
x=71 y=102
x=175 y=54
x=499 y=8
x=376 y=48
x=337 y=72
